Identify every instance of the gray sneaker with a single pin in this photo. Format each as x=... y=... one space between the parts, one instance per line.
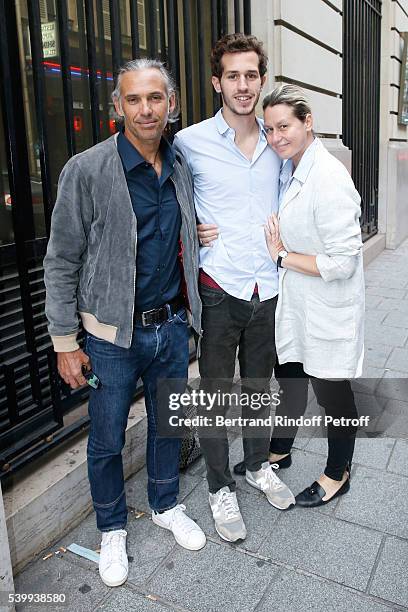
x=277 y=493
x=228 y=519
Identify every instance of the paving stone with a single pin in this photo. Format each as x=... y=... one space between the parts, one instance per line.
x=399 y=458
x=197 y=468
x=83 y=589
x=371 y=376
x=393 y=422
x=378 y=333
x=396 y=319
x=86 y=534
x=136 y=489
x=125 y=599
x=236 y=452
x=391 y=304
x=398 y=360
x=373 y=302
x=385 y=292
x=375 y=316
x=377 y=355
x=325 y=546
x=304 y=593
x=391 y=577
x=379 y=501
x=147 y=545
x=259 y=516
x=304 y=435
x=368 y=403
x=370 y=452
x=216 y=578
x=393 y=385
x=394 y=281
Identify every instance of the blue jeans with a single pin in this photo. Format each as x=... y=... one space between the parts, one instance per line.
x=157 y=351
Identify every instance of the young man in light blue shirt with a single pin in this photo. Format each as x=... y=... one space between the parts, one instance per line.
x=236 y=178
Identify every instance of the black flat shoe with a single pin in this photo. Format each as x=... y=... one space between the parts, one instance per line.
x=312 y=496
x=286 y=462
x=283 y=463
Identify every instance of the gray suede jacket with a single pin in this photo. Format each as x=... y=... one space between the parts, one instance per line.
x=90 y=265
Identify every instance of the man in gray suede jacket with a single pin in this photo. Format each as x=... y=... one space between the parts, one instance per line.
x=123 y=256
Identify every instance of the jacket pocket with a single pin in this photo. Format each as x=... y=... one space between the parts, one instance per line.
x=330 y=321
x=86 y=279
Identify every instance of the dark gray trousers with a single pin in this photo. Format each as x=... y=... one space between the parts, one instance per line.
x=231 y=325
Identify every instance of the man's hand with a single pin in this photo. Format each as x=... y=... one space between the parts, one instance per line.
x=70 y=367
x=207 y=233
x=272 y=237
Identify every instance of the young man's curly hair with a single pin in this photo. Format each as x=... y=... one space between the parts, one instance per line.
x=237 y=43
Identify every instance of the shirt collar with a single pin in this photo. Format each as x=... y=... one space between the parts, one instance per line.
x=131 y=157
x=223 y=127
x=306 y=162
x=286 y=171
x=303 y=167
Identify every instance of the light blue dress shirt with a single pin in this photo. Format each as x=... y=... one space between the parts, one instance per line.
x=237 y=194
x=287 y=176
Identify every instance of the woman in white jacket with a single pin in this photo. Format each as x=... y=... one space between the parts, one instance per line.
x=316 y=242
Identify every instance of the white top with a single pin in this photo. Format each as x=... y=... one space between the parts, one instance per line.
x=320 y=320
x=237 y=195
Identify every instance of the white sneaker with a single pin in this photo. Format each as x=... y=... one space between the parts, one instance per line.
x=113 y=561
x=186 y=532
x=228 y=520
x=277 y=493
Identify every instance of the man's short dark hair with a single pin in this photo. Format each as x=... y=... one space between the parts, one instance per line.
x=237 y=43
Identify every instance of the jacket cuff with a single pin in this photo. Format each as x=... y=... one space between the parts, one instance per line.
x=65 y=344
x=337 y=267
x=324 y=267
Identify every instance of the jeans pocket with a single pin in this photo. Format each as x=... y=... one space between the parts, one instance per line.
x=181 y=316
x=211 y=297
x=95 y=338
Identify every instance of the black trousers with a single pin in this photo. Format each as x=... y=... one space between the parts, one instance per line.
x=231 y=325
x=337 y=399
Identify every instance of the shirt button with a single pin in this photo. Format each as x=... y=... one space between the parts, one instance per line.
x=158 y=269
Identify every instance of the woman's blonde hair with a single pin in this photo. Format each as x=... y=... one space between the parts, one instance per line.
x=292 y=96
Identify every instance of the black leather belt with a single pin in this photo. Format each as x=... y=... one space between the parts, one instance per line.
x=161 y=314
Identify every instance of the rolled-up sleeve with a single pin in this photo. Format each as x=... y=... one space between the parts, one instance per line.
x=337 y=212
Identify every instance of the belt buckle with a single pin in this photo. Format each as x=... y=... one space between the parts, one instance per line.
x=147 y=312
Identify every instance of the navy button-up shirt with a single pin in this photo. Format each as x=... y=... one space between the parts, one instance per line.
x=158 y=276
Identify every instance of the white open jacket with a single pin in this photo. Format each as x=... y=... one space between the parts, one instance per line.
x=320 y=320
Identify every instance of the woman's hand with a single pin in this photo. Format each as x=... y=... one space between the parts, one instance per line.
x=272 y=237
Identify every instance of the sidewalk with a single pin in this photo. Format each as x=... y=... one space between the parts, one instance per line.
x=349 y=555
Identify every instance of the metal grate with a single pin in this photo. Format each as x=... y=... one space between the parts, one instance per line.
x=361 y=101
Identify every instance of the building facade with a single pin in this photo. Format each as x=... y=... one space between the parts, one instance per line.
x=57 y=66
